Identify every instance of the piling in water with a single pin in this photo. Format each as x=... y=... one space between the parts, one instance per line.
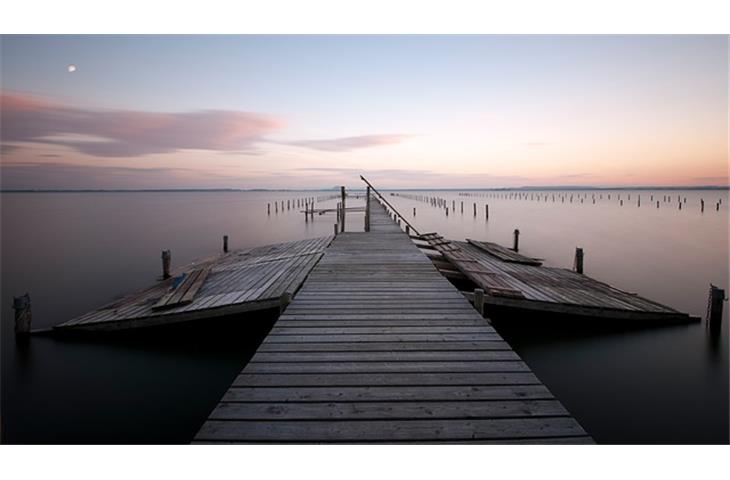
x=23 y=314
x=166 y=260
x=714 y=310
x=578 y=262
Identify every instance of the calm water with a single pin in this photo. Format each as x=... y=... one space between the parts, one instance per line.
x=73 y=252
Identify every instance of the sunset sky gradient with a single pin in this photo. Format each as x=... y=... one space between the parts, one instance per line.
x=408 y=111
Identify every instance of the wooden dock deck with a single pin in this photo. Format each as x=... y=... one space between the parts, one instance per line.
x=231 y=283
x=513 y=281
x=378 y=347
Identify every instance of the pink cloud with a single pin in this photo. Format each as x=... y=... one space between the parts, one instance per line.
x=350 y=143
x=125 y=133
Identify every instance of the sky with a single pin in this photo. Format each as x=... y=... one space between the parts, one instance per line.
x=405 y=111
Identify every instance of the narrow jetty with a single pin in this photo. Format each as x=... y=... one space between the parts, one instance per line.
x=377 y=346
x=231 y=283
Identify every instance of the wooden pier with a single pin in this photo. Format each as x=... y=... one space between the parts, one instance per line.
x=377 y=346
x=514 y=281
x=232 y=283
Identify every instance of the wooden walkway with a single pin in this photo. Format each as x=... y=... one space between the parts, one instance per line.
x=378 y=347
x=232 y=283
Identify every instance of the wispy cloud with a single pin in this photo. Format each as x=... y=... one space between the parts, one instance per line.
x=30 y=175
x=129 y=133
x=344 y=144
x=7 y=149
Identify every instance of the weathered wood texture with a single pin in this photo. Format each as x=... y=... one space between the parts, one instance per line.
x=378 y=347
x=235 y=282
x=513 y=280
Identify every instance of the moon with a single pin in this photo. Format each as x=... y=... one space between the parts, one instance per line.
x=71 y=68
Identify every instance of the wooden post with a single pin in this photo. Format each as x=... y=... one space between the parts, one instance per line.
x=414 y=211
x=225 y=243
x=578 y=263
x=462 y=206
x=23 y=314
x=408 y=230
x=486 y=211
x=284 y=301
x=367 y=208
x=475 y=209
x=479 y=300
x=166 y=260
x=516 y=244
x=714 y=310
x=268 y=209
x=702 y=205
x=343 y=210
x=335 y=225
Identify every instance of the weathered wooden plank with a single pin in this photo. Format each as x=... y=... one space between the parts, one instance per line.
x=383 y=379
x=387 y=393
x=384 y=367
x=390 y=410
x=370 y=430
x=399 y=356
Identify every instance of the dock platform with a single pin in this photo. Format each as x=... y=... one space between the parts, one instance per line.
x=378 y=347
x=516 y=282
x=227 y=284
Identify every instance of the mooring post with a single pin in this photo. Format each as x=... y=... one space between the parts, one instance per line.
x=268 y=209
x=343 y=210
x=225 y=243
x=702 y=205
x=367 y=208
x=284 y=301
x=714 y=310
x=475 y=209
x=479 y=300
x=23 y=315
x=486 y=211
x=578 y=263
x=516 y=244
x=166 y=260
x=414 y=211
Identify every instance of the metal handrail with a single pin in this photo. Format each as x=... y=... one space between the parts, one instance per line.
x=391 y=206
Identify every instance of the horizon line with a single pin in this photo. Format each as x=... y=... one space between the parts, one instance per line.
x=330 y=189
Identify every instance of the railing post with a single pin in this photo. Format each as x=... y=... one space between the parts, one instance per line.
x=367 y=209
x=342 y=211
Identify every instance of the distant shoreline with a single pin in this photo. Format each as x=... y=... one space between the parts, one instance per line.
x=237 y=190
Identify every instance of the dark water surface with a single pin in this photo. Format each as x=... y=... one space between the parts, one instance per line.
x=74 y=251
